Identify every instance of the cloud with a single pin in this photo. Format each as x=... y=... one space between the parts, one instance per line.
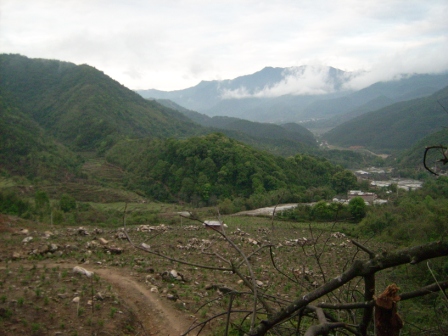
x=304 y=80
x=174 y=44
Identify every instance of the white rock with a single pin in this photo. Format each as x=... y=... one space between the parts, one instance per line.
x=154 y=290
x=27 y=240
x=81 y=270
x=76 y=299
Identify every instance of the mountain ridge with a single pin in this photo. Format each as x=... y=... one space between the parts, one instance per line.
x=256 y=101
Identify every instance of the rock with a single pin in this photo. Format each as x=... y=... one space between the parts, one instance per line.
x=259 y=283
x=27 y=240
x=114 y=250
x=174 y=274
x=53 y=248
x=16 y=255
x=76 y=299
x=99 y=296
x=103 y=241
x=89 y=302
x=171 y=297
x=120 y=235
x=82 y=231
x=48 y=234
x=81 y=270
x=24 y=231
x=239 y=282
x=145 y=246
x=154 y=290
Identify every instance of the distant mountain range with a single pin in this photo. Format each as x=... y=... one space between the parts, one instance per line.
x=298 y=94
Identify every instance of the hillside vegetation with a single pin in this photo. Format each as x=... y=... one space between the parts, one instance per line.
x=396 y=127
x=27 y=151
x=82 y=107
x=214 y=167
x=285 y=139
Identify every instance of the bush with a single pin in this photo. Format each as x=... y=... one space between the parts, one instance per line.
x=67 y=203
x=357 y=208
x=12 y=204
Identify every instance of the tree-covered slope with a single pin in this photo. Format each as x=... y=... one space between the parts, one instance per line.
x=286 y=139
x=25 y=150
x=215 y=166
x=413 y=157
x=83 y=107
x=395 y=127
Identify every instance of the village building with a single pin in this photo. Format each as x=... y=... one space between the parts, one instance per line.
x=366 y=196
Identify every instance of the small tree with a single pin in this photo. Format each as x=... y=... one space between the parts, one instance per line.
x=41 y=201
x=67 y=203
x=357 y=207
x=343 y=181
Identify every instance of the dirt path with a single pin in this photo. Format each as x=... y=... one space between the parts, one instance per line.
x=155 y=315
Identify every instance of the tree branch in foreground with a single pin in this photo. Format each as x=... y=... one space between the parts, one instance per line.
x=411 y=255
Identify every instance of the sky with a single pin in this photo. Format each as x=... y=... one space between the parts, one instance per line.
x=175 y=44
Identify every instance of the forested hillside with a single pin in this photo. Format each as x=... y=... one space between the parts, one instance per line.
x=412 y=159
x=82 y=107
x=285 y=139
x=214 y=167
x=396 y=127
x=27 y=151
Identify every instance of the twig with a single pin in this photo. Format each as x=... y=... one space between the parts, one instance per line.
x=435 y=279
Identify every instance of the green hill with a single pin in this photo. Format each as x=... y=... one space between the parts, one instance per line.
x=215 y=167
x=412 y=158
x=82 y=107
x=395 y=127
x=26 y=150
x=286 y=139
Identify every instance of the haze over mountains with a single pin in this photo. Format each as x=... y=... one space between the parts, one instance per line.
x=298 y=94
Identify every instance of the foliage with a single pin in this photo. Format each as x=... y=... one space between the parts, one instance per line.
x=41 y=201
x=418 y=216
x=11 y=203
x=407 y=122
x=81 y=106
x=412 y=159
x=350 y=159
x=67 y=203
x=25 y=149
x=358 y=208
x=343 y=181
x=213 y=167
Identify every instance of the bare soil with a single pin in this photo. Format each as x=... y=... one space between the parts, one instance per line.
x=38 y=292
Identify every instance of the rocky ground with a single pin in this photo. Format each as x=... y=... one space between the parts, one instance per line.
x=71 y=281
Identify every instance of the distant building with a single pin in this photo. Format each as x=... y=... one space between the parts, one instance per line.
x=366 y=196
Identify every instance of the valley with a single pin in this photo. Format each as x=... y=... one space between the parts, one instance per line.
x=94 y=175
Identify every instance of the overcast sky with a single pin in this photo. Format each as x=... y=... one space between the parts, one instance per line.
x=174 y=44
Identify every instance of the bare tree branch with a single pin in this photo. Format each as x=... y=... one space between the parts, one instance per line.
x=359 y=268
